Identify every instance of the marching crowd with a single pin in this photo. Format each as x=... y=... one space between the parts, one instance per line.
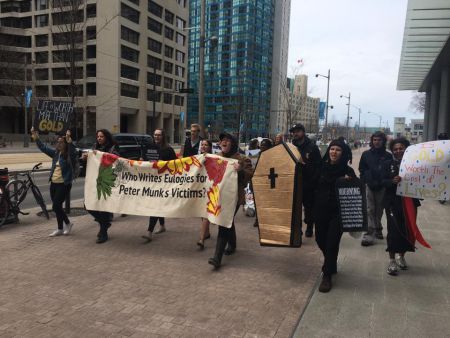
x=378 y=169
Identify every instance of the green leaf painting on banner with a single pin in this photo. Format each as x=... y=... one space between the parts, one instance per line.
x=105 y=181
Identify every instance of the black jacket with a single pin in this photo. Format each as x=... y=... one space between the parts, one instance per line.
x=190 y=150
x=153 y=152
x=372 y=167
x=313 y=162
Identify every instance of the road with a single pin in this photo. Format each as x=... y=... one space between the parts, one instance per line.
x=41 y=180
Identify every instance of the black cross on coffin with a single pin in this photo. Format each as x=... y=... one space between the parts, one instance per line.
x=272 y=176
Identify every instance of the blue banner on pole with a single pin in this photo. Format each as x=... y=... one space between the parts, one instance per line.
x=182 y=116
x=28 y=95
x=322 y=106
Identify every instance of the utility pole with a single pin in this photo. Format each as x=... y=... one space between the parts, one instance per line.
x=328 y=96
x=153 y=99
x=201 y=61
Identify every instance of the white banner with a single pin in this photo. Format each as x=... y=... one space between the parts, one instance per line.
x=197 y=186
x=425 y=171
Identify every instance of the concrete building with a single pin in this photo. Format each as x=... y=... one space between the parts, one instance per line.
x=246 y=71
x=425 y=61
x=416 y=129
x=123 y=50
x=302 y=108
x=399 y=126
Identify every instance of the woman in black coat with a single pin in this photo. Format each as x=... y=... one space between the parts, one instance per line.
x=326 y=210
x=397 y=237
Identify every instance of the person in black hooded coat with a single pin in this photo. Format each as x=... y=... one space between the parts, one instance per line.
x=326 y=209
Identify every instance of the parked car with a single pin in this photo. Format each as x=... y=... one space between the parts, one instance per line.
x=130 y=146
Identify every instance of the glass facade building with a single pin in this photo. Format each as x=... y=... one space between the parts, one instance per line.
x=238 y=68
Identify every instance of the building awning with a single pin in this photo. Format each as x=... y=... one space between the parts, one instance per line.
x=427 y=29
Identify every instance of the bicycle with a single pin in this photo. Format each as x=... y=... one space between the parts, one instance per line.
x=15 y=192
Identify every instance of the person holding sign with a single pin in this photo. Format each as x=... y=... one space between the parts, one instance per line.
x=61 y=177
x=230 y=149
x=104 y=143
x=397 y=237
x=326 y=208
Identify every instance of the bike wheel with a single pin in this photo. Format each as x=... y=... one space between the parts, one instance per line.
x=4 y=206
x=40 y=200
x=17 y=191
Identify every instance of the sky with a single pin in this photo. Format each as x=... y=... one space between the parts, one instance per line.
x=360 y=41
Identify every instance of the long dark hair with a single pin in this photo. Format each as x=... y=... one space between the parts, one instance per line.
x=64 y=152
x=108 y=136
x=381 y=135
x=163 y=144
x=401 y=140
x=209 y=144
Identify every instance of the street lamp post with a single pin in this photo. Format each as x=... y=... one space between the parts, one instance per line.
x=201 y=68
x=369 y=112
x=348 y=113
x=328 y=95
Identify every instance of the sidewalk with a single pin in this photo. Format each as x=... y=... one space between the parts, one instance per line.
x=366 y=302
x=72 y=287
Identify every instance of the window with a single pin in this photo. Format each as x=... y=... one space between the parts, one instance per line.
x=180 y=56
x=67 y=38
x=153 y=62
x=66 y=55
x=129 y=90
x=129 y=13
x=179 y=85
x=181 y=39
x=41 y=20
x=168 y=67
x=129 y=54
x=168 y=32
x=91 y=32
x=154 y=46
x=41 y=40
x=179 y=71
x=154 y=26
x=136 y=2
x=181 y=24
x=91 y=52
x=91 y=70
x=129 y=72
x=168 y=83
x=182 y=3
x=41 y=4
x=179 y=100
x=41 y=74
x=91 y=11
x=154 y=8
x=65 y=91
x=154 y=79
x=151 y=95
x=41 y=57
x=168 y=51
x=168 y=16
x=91 y=88
x=129 y=35
x=42 y=91
x=63 y=73
x=167 y=98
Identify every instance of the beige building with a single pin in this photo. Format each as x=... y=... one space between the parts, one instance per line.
x=122 y=50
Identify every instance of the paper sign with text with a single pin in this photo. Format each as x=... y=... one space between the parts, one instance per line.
x=198 y=186
x=53 y=116
x=425 y=171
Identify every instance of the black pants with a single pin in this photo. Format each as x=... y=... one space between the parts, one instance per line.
x=308 y=205
x=103 y=218
x=229 y=234
x=58 y=193
x=152 y=222
x=328 y=237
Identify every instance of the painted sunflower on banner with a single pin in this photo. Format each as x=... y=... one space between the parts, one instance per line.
x=178 y=166
x=213 y=207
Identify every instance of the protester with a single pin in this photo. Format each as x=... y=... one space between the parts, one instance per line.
x=165 y=153
x=61 y=177
x=230 y=149
x=397 y=236
x=310 y=166
x=279 y=139
x=253 y=144
x=371 y=169
x=192 y=144
x=326 y=210
x=205 y=148
x=105 y=143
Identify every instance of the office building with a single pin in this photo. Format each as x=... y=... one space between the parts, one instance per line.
x=399 y=126
x=126 y=54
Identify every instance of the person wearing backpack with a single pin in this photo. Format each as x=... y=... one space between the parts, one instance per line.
x=61 y=177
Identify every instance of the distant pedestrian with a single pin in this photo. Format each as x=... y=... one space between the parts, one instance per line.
x=397 y=236
x=61 y=177
x=192 y=144
x=326 y=210
x=205 y=148
x=371 y=169
x=105 y=143
x=165 y=153
x=230 y=149
x=279 y=139
x=311 y=162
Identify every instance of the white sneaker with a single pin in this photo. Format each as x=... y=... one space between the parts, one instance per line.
x=392 y=268
x=401 y=262
x=57 y=232
x=67 y=228
x=160 y=230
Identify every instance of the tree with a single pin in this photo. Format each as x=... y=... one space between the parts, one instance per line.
x=418 y=102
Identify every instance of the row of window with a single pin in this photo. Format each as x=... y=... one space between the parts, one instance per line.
x=152 y=78
x=131 y=54
x=60 y=18
x=65 y=90
x=66 y=55
x=168 y=98
x=63 y=73
x=132 y=36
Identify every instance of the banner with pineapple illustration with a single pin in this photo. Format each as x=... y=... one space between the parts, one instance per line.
x=197 y=186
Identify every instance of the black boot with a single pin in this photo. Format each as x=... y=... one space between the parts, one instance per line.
x=102 y=236
x=231 y=248
x=220 y=248
x=325 y=285
x=309 y=230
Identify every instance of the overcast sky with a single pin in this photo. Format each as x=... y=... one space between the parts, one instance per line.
x=360 y=41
